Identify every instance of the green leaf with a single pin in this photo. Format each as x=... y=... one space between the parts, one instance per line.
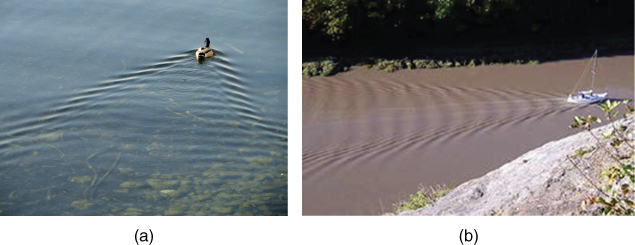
x=601 y=200
x=608 y=106
x=593 y=119
x=577 y=121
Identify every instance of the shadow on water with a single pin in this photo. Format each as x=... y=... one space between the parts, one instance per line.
x=491 y=50
x=176 y=137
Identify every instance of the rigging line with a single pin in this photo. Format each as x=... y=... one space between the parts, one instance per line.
x=593 y=71
x=584 y=73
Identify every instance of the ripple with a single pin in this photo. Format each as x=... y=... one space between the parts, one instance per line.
x=376 y=136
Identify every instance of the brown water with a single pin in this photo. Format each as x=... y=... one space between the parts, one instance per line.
x=370 y=139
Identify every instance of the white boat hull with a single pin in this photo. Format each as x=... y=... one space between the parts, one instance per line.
x=586 y=97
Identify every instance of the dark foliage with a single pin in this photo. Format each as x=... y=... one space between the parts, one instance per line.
x=342 y=20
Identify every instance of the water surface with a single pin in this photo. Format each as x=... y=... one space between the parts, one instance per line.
x=370 y=139
x=105 y=111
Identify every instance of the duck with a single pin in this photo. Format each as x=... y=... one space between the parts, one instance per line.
x=204 y=52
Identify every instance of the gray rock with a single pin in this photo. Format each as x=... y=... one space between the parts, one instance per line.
x=540 y=182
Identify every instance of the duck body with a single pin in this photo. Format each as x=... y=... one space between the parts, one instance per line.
x=204 y=52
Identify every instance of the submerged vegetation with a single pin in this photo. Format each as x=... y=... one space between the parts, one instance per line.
x=615 y=189
x=426 y=196
x=116 y=184
x=218 y=189
x=91 y=168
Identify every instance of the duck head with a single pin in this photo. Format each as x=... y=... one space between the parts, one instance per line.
x=207 y=42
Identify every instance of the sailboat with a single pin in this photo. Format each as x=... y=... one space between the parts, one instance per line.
x=587 y=96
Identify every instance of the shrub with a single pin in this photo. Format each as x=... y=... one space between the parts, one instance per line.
x=329 y=66
x=424 y=64
x=325 y=67
x=617 y=194
x=309 y=69
x=424 y=197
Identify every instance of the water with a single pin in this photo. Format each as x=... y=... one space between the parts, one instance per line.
x=104 y=109
x=371 y=139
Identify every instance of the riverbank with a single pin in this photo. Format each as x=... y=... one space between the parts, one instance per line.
x=326 y=60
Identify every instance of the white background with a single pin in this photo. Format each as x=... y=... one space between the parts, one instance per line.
x=296 y=229
x=317 y=230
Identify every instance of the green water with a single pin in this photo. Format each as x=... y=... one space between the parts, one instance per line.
x=104 y=109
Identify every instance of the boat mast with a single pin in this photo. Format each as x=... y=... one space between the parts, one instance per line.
x=594 y=69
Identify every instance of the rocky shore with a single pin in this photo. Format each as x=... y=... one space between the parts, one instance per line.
x=540 y=182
